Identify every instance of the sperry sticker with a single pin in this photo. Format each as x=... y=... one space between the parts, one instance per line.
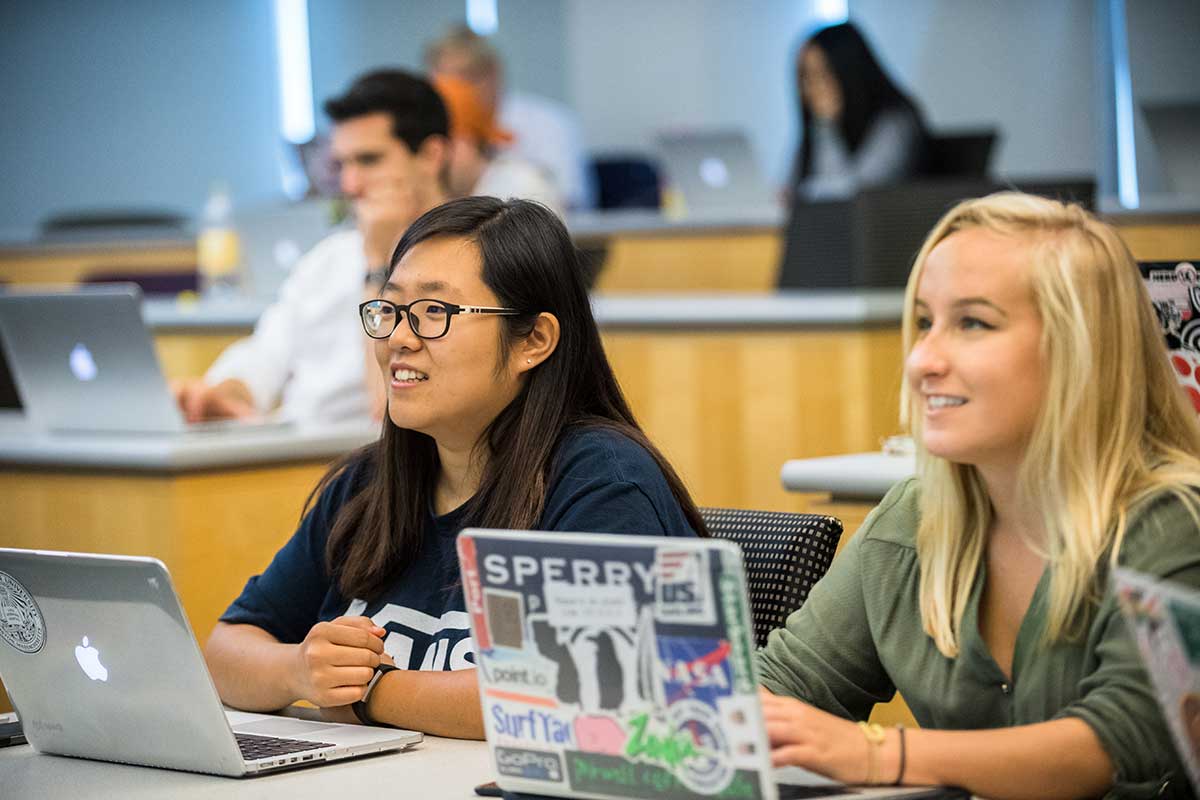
x=21 y=622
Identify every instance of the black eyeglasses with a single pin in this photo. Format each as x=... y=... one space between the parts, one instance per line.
x=429 y=319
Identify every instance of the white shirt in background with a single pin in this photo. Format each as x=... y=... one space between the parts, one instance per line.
x=509 y=175
x=547 y=134
x=307 y=350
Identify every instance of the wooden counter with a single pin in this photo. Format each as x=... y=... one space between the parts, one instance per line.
x=74 y=262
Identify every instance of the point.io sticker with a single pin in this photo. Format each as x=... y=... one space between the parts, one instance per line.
x=21 y=623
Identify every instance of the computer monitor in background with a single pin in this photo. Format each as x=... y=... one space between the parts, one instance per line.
x=10 y=398
x=871 y=240
x=1079 y=189
x=816 y=246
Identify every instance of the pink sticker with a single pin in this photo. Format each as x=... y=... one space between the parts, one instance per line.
x=597 y=734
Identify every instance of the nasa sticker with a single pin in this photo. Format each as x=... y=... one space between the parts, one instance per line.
x=21 y=623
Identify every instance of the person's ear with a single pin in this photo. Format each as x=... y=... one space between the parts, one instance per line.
x=434 y=155
x=539 y=344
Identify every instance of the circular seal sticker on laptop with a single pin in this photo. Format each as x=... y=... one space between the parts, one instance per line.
x=21 y=623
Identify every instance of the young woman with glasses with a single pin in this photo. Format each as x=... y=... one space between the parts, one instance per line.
x=502 y=412
x=1053 y=442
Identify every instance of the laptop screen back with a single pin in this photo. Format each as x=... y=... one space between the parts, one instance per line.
x=84 y=361
x=714 y=171
x=615 y=666
x=100 y=662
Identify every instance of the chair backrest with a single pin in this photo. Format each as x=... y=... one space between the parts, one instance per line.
x=626 y=181
x=785 y=555
x=151 y=283
x=962 y=154
x=91 y=224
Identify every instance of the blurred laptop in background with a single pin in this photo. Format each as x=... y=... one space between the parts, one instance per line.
x=714 y=172
x=83 y=361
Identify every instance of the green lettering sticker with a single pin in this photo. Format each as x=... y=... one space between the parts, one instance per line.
x=733 y=606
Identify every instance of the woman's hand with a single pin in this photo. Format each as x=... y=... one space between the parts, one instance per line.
x=336 y=661
x=803 y=736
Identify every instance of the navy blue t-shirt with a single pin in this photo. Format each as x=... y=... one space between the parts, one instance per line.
x=601 y=482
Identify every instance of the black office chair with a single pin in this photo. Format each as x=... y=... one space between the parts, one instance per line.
x=166 y=282
x=785 y=555
x=961 y=154
x=113 y=223
x=626 y=181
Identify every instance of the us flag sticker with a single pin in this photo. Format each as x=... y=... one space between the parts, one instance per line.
x=682 y=587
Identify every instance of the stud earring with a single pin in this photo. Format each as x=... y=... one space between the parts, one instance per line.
x=529 y=361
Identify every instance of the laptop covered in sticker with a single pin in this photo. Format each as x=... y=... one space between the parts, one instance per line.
x=623 y=667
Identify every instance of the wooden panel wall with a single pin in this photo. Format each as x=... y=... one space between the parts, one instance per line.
x=720 y=262
x=70 y=265
x=728 y=409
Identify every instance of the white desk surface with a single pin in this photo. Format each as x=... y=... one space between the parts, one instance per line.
x=788 y=309
x=436 y=768
x=862 y=476
x=21 y=446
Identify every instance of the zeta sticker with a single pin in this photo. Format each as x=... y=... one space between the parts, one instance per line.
x=21 y=622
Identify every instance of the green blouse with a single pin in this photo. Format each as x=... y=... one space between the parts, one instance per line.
x=858 y=639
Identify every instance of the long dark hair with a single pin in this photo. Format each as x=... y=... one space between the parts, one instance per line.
x=530 y=263
x=866 y=90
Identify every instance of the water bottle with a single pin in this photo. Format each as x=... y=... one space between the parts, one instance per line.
x=218 y=255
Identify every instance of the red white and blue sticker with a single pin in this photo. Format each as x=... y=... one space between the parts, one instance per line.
x=693 y=668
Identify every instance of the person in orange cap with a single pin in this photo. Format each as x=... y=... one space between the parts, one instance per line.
x=480 y=162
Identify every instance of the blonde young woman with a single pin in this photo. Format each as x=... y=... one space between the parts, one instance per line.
x=1053 y=443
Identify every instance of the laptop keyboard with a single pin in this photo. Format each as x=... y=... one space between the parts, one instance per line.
x=255 y=747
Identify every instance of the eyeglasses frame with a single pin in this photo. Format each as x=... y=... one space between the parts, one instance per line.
x=452 y=310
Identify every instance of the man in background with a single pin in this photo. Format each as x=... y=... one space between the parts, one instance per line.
x=545 y=133
x=390 y=145
x=481 y=161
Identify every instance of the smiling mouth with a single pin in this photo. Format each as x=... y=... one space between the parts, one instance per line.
x=409 y=376
x=936 y=401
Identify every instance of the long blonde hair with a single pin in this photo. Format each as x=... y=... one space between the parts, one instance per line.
x=1114 y=427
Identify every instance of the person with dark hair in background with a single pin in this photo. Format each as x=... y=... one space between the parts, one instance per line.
x=857 y=127
x=503 y=412
x=391 y=149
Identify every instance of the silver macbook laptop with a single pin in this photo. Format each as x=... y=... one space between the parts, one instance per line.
x=714 y=171
x=100 y=662
x=84 y=362
x=274 y=238
x=623 y=667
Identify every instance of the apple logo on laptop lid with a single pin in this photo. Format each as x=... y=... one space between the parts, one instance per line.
x=83 y=366
x=89 y=659
x=714 y=172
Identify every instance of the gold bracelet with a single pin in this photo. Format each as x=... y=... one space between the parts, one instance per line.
x=875 y=735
